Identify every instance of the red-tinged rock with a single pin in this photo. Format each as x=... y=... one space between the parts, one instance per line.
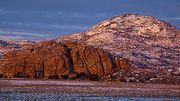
x=72 y=76
x=51 y=59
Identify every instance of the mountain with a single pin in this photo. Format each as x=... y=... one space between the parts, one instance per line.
x=146 y=41
x=125 y=48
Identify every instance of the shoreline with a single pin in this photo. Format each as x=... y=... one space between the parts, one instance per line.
x=89 y=88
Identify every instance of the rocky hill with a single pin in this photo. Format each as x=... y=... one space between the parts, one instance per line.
x=146 y=41
x=125 y=48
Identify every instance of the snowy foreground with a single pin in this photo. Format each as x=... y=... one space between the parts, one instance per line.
x=49 y=90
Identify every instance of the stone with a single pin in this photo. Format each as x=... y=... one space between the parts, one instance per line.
x=72 y=76
x=170 y=70
x=152 y=79
x=54 y=60
x=3 y=43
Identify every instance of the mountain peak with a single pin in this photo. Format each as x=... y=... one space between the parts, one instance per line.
x=145 y=40
x=134 y=24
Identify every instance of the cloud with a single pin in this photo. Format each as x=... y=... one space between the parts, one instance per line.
x=42 y=33
x=11 y=37
x=25 y=13
x=77 y=27
x=176 y=18
x=15 y=23
x=25 y=33
x=55 y=14
x=58 y=13
x=172 y=18
x=14 y=35
x=46 y=26
x=1 y=30
x=91 y=15
x=79 y=15
x=2 y=11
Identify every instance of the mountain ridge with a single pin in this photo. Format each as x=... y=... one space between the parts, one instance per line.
x=127 y=34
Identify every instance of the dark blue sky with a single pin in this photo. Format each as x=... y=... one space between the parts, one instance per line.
x=41 y=19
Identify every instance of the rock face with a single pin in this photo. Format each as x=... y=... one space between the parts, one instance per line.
x=146 y=41
x=129 y=48
x=51 y=59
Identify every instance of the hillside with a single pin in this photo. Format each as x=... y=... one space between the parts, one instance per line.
x=146 y=41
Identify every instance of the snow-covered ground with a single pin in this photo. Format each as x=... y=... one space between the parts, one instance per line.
x=50 y=90
x=48 y=82
x=14 y=96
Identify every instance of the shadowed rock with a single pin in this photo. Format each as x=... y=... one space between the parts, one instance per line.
x=51 y=59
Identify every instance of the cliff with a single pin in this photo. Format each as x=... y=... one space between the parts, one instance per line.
x=51 y=59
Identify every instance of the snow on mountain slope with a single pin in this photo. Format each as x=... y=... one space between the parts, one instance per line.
x=145 y=40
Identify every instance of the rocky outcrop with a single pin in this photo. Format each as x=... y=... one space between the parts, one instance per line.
x=51 y=59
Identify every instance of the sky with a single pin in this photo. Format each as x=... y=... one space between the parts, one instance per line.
x=44 y=19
